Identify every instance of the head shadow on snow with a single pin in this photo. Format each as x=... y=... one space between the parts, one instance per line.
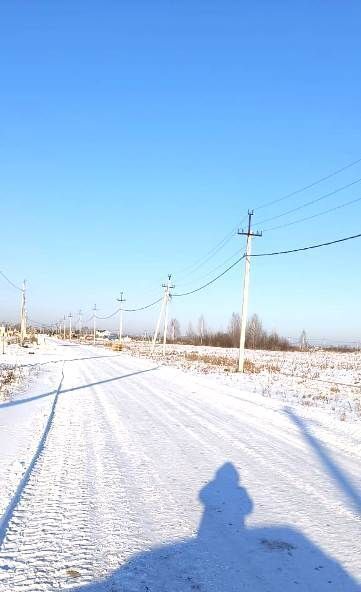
x=228 y=556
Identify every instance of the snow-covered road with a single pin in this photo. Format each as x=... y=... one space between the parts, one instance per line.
x=147 y=478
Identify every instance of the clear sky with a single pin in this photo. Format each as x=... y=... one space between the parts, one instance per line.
x=135 y=134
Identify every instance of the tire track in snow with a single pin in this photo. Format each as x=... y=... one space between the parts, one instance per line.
x=51 y=530
x=4 y=523
x=62 y=523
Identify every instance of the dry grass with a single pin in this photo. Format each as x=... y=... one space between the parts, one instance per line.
x=231 y=365
x=73 y=573
x=209 y=359
x=7 y=377
x=252 y=368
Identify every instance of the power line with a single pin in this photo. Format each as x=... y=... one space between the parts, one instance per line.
x=309 y=186
x=340 y=240
x=42 y=324
x=273 y=253
x=10 y=282
x=129 y=309
x=212 y=253
x=108 y=316
x=309 y=203
x=213 y=280
x=299 y=220
x=143 y=307
x=200 y=262
x=213 y=270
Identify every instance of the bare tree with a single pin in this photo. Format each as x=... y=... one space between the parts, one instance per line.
x=254 y=332
x=201 y=328
x=190 y=331
x=234 y=329
x=174 y=329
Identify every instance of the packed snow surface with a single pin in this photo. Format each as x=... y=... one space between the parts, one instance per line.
x=121 y=474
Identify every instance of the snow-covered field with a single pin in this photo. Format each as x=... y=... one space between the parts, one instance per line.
x=122 y=474
x=312 y=378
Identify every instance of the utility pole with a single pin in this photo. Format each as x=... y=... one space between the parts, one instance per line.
x=80 y=323
x=64 y=325
x=23 y=314
x=249 y=234
x=121 y=300
x=70 y=317
x=94 y=323
x=167 y=287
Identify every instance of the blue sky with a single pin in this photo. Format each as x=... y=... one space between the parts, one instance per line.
x=135 y=135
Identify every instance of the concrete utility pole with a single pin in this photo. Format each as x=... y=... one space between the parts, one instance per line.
x=157 y=327
x=121 y=300
x=94 y=323
x=23 y=314
x=64 y=326
x=80 y=325
x=167 y=287
x=249 y=234
x=70 y=317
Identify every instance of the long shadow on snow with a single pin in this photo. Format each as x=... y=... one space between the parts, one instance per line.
x=75 y=388
x=58 y=361
x=336 y=472
x=227 y=556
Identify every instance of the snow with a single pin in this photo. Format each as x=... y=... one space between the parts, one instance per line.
x=122 y=474
x=315 y=378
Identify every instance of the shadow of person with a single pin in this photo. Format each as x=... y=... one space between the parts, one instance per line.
x=226 y=556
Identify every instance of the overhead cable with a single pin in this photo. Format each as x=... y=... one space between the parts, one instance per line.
x=200 y=262
x=195 y=266
x=211 y=281
x=309 y=203
x=334 y=242
x=10 y=282
x=129 y=309
x=309 y=186
x=299 y=220
x=143 y=307
x=340 y=240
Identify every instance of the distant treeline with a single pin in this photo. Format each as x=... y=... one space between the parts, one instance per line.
x=256 y=336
